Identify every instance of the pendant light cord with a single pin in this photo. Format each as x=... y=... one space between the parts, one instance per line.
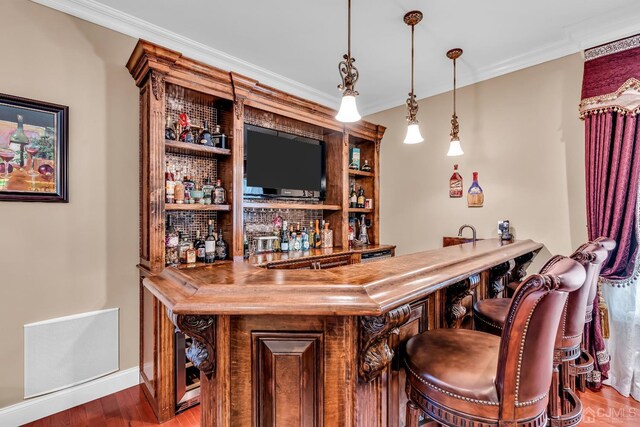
x=412 y=30
x=454 y=86
x=349 y=32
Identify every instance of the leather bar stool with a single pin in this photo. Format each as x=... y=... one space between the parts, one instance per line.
x=584 y=364
x=460 y=377
x=564 y=405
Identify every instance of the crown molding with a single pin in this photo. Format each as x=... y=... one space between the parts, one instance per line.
x=113 y=19
x=594 y=32
x=598 y=30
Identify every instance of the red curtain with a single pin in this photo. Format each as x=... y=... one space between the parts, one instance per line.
x=610 y=103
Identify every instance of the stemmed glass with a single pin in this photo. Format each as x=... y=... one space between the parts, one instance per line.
x=32 y=150
x=6 y=155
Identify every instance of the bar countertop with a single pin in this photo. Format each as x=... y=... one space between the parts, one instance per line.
x=241 y=288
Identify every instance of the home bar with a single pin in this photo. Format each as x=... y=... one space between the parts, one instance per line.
x=307 y=334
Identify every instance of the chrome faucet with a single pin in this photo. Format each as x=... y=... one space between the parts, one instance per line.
x=472 y=229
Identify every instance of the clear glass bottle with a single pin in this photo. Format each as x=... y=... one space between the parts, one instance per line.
x=352 y=231
x=455 y=183
x=327 y=236
x=171 y=244
x=221 y=247
x=210 y=245
x=284 y=238
x=207 y=191
x=366 y=167
x=219 y=194
x=169 y=130
x=199 y=246
x=363 y=237
x=305 y=239
x=189 y=186
x=475 y=195
x=169 y=190
x=179 y=190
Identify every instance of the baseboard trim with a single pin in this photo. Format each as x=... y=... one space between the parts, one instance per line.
x=43 y=406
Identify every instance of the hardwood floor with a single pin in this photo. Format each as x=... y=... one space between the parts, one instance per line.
x=130 y=408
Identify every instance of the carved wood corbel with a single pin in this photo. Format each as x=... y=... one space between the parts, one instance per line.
x=374 y=352
x=454 y=310
x=497 y=275
x=201 y=329
x=157 y=84
x=238 y=107
x=520 y=270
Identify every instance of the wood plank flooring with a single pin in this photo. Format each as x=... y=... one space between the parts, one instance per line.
x=129 y=408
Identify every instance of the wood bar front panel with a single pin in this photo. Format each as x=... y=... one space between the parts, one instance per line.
x=287 y=378
x=291 y=371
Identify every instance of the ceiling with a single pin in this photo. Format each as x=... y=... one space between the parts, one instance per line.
x=295 y=45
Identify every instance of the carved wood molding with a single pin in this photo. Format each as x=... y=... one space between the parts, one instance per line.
x=238 y=107
x=374 y=352
x=497 y=274
x=520 y=269
x=454 y=310
x=157 y=85
x=201 y=329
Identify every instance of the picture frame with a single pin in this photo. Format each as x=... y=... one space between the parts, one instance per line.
x=34 y=150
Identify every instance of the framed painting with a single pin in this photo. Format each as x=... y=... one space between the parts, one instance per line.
x=33 y=150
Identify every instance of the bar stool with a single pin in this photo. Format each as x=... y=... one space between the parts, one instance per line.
x=461 y=377
x=564 y=405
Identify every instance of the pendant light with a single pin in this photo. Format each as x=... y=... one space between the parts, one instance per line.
x=454 y=146
x=413 y=130
x=348 y=112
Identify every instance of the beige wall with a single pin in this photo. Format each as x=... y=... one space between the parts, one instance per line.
x=521 y=132
x=61 y=259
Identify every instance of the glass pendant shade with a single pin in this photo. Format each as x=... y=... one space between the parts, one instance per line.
x=348 y=110
x=413 y=134
x=455 y=149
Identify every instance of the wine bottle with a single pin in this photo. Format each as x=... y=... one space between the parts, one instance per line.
x=455 y=183
x=361 y=198
x=318 y=242
x=183 y=247
x=284 y=239
x=210 y=245
x=221 y=247
x=199 y=246
x=169 y=182
x=353 y=200
x=475 y=195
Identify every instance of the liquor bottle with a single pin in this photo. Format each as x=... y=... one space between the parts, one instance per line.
x=455 y=183
x=292 y=238
x=284 y=239
x=363 y=237
x=207 y=191
x=219 y=195
x=183 y=247
x=191 y=254
x=353 y=199
x=246 y=245
x=169 y=182
x=179 y=190
x=171 y=243
x=205 y=135
x=219 y=138
x=361 y=198
x=185 y=122
x=318 y=242
x=352 y=231
x=189 y=186
x=199 y=246
x=312 y=235
x=475 y=196
x=366 y=167
x=169 y=131
x=305 y=239
x=221 y=247
x=327 y=236
x=210 y=245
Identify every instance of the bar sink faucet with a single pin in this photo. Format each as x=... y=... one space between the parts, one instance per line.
x=473 y=229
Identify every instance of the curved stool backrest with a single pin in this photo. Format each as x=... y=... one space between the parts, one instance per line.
x=526 y=349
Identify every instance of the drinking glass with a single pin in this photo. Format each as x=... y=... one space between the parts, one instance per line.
x=32 y=150
x=6 y=155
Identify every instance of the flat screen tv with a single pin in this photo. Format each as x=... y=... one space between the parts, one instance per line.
x=283 y=165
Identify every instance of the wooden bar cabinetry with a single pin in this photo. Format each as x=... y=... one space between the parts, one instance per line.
x=171 y=84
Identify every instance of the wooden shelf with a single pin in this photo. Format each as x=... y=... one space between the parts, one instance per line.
x=302 y=206
x=193 y=386
x=360 y=210
x=196 y=207
x=354 y=172
x=194 y=149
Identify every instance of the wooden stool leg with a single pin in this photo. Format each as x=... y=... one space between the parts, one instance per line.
x=554 y=393
x=413 y=413
x=565 y=382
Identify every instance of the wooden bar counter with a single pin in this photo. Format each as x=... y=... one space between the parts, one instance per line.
x=284 y=347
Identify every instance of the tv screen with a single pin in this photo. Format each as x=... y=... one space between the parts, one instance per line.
x=282 y=164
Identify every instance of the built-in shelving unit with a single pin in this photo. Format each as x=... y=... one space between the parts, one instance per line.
x=170 y=85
